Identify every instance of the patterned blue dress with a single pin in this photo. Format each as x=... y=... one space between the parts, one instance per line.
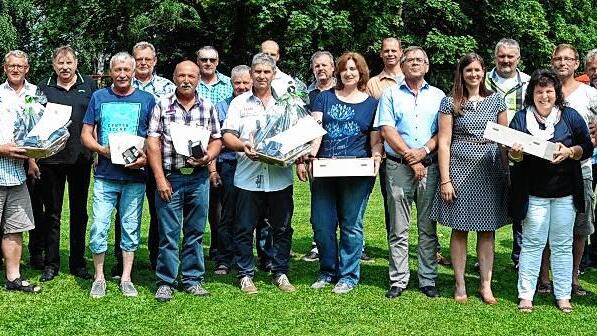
x=476 y=170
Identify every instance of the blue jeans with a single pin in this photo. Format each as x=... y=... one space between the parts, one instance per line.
x=186 y=212
x=105 y=196
x=252 y=207
x=547 y=219
x=340 y=202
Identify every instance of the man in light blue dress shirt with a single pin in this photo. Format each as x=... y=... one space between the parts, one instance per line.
x=407 y=117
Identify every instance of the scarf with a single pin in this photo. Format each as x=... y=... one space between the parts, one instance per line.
x=533 y=119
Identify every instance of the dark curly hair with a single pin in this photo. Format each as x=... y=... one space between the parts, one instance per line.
x=543 y=78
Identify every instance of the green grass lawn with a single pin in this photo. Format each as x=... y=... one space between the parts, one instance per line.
x=64 y=306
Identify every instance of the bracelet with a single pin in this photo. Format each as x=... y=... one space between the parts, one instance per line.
x=517 y=159
x=445 y=182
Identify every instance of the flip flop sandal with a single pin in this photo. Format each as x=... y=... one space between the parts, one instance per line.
x=564 y=309
x=21 y=285
x=525 y=309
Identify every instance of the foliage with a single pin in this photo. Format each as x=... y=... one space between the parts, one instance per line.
x=445 y=28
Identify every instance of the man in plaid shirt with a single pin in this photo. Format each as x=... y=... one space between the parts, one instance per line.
x=182 y=183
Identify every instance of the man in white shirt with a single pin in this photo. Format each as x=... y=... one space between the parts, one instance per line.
x=281 y=80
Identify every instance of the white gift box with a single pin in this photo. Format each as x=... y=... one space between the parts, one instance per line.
x=343 y=167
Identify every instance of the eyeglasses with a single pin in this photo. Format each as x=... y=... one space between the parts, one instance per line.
x=16 y=66
x=564 y=59
x=415 y=59
x=143 y=59
x=205 y=59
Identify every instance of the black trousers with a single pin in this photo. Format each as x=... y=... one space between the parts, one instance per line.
x=153 y=239
x=50 y=189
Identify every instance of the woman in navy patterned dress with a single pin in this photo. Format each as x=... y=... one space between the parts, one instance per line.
x=471 y=195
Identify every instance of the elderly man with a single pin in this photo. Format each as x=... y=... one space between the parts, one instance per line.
x=407 y=115
x=214 y=87
x=511 y=83
x=565 y=61
x=390 y=54
x=261 y=189
x=73 y=164
x=145 y=79
x=16 y=214
x=322 y=66
x=221 y=175
x=182 y=183
x=119 y=108
x=281 y=81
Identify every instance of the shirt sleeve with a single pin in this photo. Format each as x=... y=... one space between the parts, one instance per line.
x=155 y=123
x=517 y=123
x=501 y=103
x=319 y=103
x=148 y=115
x=91 y=115
x=446 y=106
x=232 y=121
x=386 y=115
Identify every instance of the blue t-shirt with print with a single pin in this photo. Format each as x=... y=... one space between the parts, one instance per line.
x=348 y=125
x=112 y=113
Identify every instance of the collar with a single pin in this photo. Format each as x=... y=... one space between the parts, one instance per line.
x=494 y=75
x=219 y=79
x=404 y=85
x=252 y=96
x=26 y=87
x=53 y=80
x=383 y=74
x=139 y=83
x=173 y=100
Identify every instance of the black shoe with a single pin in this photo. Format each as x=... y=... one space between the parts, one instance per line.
x=116 y=271
x=48 y=274
x=36 y=263
x=430 y=291
x=265 y=266
x=366 y=258
x=82 y=273
x=394 y=292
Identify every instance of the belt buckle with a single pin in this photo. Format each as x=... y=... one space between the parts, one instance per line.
x=186 y=170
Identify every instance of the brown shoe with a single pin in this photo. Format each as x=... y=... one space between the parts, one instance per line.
x=283 y=283
x=441 y=260
x=247 y=286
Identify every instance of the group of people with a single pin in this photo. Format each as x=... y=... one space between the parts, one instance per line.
x=428 y=148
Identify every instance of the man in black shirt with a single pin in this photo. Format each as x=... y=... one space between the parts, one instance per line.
x=73 y=164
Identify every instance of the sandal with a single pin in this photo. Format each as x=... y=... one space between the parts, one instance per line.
x=525 y=309
x=578 y=290
x=21 y=285
x=544 y=288
x=564 y=309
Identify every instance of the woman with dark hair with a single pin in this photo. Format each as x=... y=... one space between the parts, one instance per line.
x=548 y=194
x=471 y=195
x=346 y=113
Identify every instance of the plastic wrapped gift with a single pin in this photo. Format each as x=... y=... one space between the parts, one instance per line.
x=280 y=141
x=40 y=149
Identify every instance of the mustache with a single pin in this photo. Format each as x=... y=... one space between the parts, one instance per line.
x=186 y=86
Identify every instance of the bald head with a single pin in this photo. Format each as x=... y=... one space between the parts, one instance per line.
x=270 y=47
x=186 y=78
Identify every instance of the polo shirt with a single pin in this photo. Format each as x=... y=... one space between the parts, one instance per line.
x=377 y=84
x=245 y=112
x=77 y=97
x=413 y=116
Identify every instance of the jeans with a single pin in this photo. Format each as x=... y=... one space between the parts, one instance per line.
x=51 y=190
x=277 y=207
x=186 y=212
x=227 y=203
x=403 y=189
x=152 y=236
x=106 y=194
x=548 y=219
x=340 y=202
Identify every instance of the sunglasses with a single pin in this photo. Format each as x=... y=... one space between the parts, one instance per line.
x=205 y=59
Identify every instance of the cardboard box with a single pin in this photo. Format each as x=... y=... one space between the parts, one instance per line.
x=343 y=167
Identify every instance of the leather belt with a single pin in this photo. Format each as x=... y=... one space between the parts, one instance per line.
x=427 y=161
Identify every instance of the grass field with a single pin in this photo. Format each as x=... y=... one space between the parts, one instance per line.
x=64 y=306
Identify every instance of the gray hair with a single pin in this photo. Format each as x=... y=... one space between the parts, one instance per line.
x=239 y=70
x=262 y=58
x=144 y=45
x=321 y=53
x=507 y=43
x=64 y=50
x=17 y=54
x=590 y=56
x=411 y=49
x=122 y=56
x=208 y=48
